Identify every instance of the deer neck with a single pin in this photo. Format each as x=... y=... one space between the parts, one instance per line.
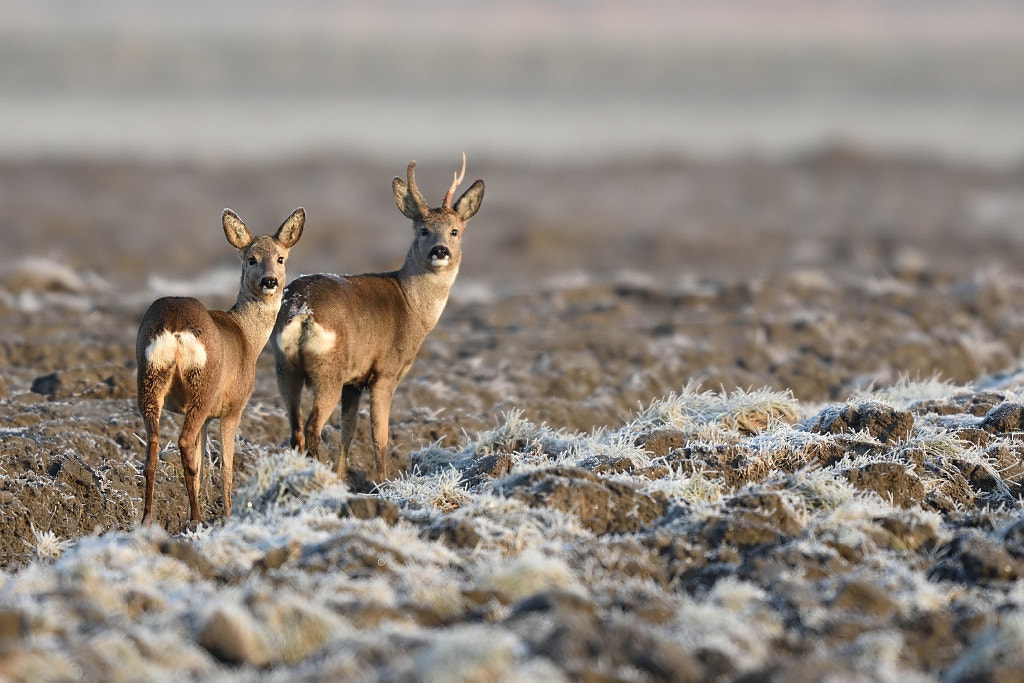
x=256 y=319
x=426 y=291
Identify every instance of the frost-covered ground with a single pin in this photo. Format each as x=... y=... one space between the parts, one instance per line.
x=736 y=535
x=795 y=469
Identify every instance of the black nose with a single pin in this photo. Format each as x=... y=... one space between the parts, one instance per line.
x=269 y=283
x=440 y=252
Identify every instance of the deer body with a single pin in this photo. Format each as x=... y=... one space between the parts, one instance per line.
x=202 y=363
x=339 y=336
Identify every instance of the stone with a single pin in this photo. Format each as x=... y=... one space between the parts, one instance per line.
x=232 y=636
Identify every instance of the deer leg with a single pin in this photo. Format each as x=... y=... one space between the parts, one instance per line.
x=289 y=384
x=350 y=396
x=381 y=393
x=205 y=460
x=152 y=389
x=323 y=406
x=188 y=442
x=228 y=429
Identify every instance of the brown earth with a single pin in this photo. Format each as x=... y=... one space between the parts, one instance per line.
x=585 y=294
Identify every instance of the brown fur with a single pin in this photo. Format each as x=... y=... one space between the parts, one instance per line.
x=203 y=363
x=341 y=335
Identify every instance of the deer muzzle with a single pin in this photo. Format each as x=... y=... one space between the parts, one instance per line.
x=268 y=285
x=440 y=256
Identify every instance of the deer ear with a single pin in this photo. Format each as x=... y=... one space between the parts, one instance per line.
x=404 y=199
x=234 y=229
x=291 y=230
x=469 y=202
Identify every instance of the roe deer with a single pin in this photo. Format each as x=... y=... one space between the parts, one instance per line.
x=339 y=335
x=203 y=363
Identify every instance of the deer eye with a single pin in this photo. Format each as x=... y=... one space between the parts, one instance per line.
x=280 y=259
x=252 y=260
x=424 y=232
x=455 y=232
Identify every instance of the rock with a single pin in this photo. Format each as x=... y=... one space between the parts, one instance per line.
x=885 y=423
x=892 y=481
x=232 y=635
x=369 y=507
x=46 y=385
x=601 y=506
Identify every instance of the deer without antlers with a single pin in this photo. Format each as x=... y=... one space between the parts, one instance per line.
x=341 y=335
x=203 y=363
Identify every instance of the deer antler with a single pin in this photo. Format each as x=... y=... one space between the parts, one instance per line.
x=414 y=192
x=455 y=183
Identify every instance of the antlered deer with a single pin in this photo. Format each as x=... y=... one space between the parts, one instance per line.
x=341 y=335
x=203 y=363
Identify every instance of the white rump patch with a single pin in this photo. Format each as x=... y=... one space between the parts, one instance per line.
x=318 y=339
x=161 y=351
x=182 y=348
x=304 y=334
x=288 y=339
x=192 y=353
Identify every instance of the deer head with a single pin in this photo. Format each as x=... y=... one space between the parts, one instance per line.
x=263 y=257
x=437 y=233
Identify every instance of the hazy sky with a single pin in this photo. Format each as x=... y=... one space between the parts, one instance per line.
x=539 y=80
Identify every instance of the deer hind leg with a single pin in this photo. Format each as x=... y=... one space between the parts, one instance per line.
x=381 y=394
x=188 y=444
x=350 y=396
x=289 y=384
x=323 y=406
x=153 y=387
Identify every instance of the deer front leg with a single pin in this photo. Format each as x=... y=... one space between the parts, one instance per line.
x=228 y=429
x=381 y=394
x=350 y=396
x=205 y=462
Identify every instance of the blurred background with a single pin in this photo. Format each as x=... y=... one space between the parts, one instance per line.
x=673 y=139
